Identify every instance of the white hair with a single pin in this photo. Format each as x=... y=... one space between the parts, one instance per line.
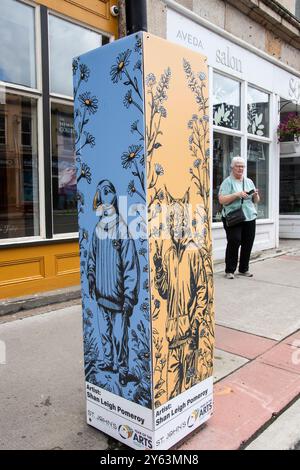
x=236 y=160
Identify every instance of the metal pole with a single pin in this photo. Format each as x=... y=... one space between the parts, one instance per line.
x=136 y=16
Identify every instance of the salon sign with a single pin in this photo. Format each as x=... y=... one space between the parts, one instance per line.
x=230 y=57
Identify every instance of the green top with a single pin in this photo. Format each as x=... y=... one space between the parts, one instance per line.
x=229 y=186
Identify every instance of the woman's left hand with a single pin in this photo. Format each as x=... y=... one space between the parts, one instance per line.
x=256 y=196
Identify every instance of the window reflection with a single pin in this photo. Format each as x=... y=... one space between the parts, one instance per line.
x=290 y=186
x=63 y=169
x=19 y=206
x=67 y=41
x=258 y=171
x=17 y=39
x=226 y=102
x=225 y=148
x=258 y=112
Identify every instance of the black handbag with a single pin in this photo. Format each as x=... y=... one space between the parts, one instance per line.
x=237 y=216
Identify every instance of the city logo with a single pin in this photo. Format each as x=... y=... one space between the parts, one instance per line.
x=125 y=431
x=193 y=418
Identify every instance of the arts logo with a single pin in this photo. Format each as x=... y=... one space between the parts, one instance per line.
x=140 y=439
x=193 y=418
x=125 y=431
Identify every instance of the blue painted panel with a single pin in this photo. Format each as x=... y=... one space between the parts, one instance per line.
x=109 y=135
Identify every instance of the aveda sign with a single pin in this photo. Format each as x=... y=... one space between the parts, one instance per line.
x=189 y=39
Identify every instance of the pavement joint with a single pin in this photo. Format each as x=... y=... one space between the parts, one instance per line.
x=268 y=349
x=278 y=367
x=250 y=333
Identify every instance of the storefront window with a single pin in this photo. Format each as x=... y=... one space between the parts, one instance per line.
x=226 y=102
x=258 y=112
x=17 y=39
x=19 y=175
x=63 y=169
x=2 y=129
x=19 y=198
x=290 y=186
x=225 y=148
x=258 y=171
x=64 y=46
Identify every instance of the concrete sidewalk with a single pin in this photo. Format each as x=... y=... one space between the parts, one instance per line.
x=257 y=369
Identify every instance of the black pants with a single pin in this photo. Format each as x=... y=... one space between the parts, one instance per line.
x=241 y=235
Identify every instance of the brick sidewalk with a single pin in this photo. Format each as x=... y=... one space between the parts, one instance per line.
x=258 y=339
x=248 y=399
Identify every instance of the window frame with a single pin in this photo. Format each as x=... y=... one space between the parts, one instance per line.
x=43 y=95
x=37 y=98
x=77 y=23
x=235 y=79
x=65 y=235
x=35 y=93
x=66 y=100
x=245 y=136
x=290 y=216
x=37 y=50
x=216 y=130
x=265 y=140
x=258 y=137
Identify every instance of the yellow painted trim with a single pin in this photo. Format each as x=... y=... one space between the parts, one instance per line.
x=66 y=271
x=17 y=264
x=94 y=13
x=15 y=283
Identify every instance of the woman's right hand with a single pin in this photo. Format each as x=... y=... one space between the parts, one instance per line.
x=242 y=195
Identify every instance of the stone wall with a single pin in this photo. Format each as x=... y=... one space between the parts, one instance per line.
x=258 y=25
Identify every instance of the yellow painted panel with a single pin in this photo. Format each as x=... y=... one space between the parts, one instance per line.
x=97 y=7
x=95 y=13
x=21 y=270
x=27 y=270
x=177 y=130
x=66 y=264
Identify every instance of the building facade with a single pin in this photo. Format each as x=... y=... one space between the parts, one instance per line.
x=253 y=55
x=38 y=198
x=254 y=79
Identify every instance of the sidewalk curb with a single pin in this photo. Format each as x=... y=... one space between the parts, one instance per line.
x=40 y=299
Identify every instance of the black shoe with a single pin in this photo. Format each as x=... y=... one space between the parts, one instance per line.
x=123 y=379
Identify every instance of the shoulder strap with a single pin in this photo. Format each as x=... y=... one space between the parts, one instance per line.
x=242 y=200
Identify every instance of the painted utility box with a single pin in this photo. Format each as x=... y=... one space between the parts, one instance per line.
x=143 y=164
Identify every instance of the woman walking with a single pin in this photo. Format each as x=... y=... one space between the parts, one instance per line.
x=237 y=192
